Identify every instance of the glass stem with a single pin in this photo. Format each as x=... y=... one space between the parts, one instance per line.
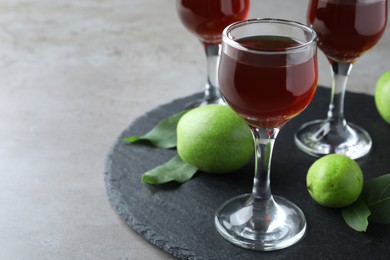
x=340 y=73
x=264 y=139
x=212 y=94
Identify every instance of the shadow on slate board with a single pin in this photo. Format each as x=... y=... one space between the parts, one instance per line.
x=180 y=218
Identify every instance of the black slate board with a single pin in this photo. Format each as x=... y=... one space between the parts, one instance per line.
x=180 y=218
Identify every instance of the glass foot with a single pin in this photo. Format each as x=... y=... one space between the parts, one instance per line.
x=320 y=137
x=262 y=225
x=205 y=101
x=211 y=95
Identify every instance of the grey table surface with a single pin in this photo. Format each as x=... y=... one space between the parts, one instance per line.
x=74 y=74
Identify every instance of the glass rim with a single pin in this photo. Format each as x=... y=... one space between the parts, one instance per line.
x=228 y=40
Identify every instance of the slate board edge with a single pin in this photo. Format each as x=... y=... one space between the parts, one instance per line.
x=116 y=200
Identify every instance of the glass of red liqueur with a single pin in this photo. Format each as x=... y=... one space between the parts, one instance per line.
x=268 y=75
x=206 y=19
x=345 y=29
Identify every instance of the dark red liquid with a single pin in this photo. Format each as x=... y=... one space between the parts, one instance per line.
x=347 y=28
x=267 y=90
x=208 y=18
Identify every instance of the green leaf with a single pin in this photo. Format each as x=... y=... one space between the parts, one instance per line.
x=173 y=170
x=356 y=215
x=162 y=135
x=376 y=193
